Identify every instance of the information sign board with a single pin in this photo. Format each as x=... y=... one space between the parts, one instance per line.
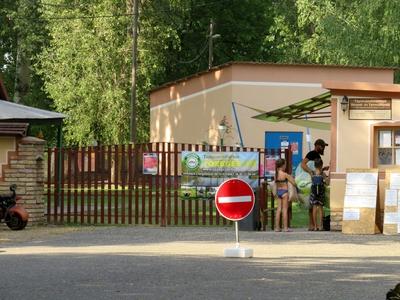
x=360 y=202
x=370 y=109
x=391 y=213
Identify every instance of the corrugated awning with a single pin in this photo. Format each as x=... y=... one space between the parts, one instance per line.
x=13 y=112
x=297 y=111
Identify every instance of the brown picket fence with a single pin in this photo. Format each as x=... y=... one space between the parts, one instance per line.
x=106 y=185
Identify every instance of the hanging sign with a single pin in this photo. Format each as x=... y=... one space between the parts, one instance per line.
x=203 y=172
x=370 y=109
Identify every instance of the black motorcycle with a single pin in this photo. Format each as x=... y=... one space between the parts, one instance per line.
x=16 y=217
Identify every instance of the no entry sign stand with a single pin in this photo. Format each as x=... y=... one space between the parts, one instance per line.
x=235 y=201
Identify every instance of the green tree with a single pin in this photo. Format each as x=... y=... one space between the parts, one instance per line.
x=173 y=39
x=84 y=47
x=174 y=35
x=86 y=68
x=359 y=33
x=23 y=36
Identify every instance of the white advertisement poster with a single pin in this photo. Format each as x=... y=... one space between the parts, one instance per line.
x=362 y=178
x=351 y=214
x=391 y=198
x=391 y=218
x=360 y=201
x=395 y=181
x=360 y=190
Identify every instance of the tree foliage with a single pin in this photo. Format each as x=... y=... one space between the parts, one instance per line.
x=86 y=69
x=23 y=36
x=359 y=33
x=76 y=54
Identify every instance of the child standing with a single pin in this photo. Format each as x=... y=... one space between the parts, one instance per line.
x=317 y=196
x=282 y=192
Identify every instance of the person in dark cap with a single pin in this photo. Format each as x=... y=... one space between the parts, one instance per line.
x=319 y=147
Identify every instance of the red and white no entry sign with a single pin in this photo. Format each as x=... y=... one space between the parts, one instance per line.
x=234 y=199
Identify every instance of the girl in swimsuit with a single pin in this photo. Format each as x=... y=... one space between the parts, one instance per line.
x=281 y=179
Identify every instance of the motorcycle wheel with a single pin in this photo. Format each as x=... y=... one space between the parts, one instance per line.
x=14 y=222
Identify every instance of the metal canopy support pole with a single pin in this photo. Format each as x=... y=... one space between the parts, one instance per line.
x=59 y=169
x=308 y=136
x=237 y=123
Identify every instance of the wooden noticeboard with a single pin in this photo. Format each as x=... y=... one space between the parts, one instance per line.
x=370 y=109
x=392 y=193
x=361 y=202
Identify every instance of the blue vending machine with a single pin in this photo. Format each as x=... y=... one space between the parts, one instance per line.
x=284 y=140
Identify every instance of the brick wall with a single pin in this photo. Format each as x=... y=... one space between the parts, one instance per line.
x=336 y=220
x=25 y=168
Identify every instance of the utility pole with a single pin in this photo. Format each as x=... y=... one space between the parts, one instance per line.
x=210 y=45
x=211 y=37
x=135 y=6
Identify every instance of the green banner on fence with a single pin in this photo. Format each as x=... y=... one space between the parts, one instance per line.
x=203 y=172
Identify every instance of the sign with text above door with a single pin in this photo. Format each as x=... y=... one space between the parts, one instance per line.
x=370 y=109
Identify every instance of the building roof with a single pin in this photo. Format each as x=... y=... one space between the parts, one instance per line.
x=367 y=89
x=12 y=112
x=228 y=64
x=16 y=129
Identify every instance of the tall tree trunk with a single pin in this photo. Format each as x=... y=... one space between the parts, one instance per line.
x=22 y=77
x=22 y=61
x=133 y=127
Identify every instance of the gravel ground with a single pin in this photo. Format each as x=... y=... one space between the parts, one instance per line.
x=35 y=233
x=186 y=263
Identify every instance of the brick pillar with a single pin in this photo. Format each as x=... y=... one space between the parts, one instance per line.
x=25 y=168
x=336 y=220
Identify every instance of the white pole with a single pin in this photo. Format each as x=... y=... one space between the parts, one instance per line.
x=237 y=234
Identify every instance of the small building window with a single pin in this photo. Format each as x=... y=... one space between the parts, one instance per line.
x=388 y=150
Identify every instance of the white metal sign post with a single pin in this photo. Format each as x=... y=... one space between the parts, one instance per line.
x=235 y=201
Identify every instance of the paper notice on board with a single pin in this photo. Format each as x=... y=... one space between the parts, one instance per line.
x=391 y=218
x=398 y=216
x=391 y=198
x=398 y=224
x=395 y=181
x=360 y=190
x=351 y=214
x=360 y=201
x=362 y=178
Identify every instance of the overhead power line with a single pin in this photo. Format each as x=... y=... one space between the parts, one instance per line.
x=78 y=17
x=197 y=57
x=78 y=6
